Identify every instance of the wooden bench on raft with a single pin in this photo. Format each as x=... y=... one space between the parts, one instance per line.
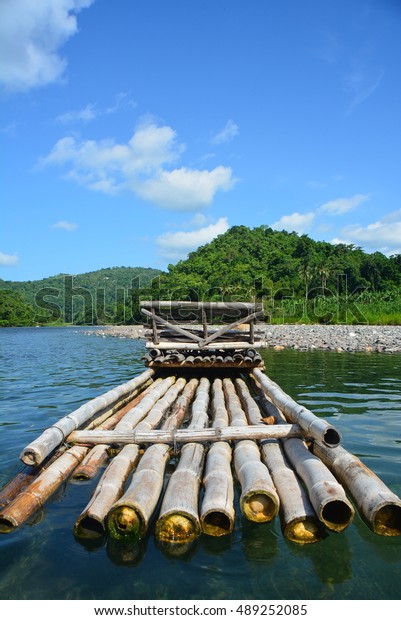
x=217 y=334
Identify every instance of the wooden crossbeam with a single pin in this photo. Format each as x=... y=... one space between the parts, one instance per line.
x=227 y=328
x=179 y=330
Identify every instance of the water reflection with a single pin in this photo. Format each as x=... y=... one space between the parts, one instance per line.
x=126 y=553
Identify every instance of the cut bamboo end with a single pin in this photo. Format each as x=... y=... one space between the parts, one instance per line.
x=259 y=506
x=91 y=464
x=89 y=528
x=304 y=531
x=177 y=528
x=7 y=524
x=331 y=437
x=387 y=520
x=32 y=457
x=336 y=514
x=124 y=522
x=217 y=523
x=378 y=506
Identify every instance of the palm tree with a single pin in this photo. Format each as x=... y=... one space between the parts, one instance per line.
x=324 y=273
x=306 y=272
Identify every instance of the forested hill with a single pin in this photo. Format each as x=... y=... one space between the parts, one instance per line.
x=103 y=296
x=298 y=278
x=278 y=260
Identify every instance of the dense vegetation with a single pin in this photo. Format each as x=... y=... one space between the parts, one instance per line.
x=297 y=278
x=103 y=296
x=13 y=310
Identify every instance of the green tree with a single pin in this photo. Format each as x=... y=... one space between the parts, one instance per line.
x=13 y=310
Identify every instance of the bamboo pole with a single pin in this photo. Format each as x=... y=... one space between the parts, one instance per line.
x=23 y=478
x=99 y=453
x=30 y=472
x=217 y=306
x=299 y=522
x=129 y=516
x=46 y=479
x=378 y=506
x=327 y=496
x=217 y=512
x=259 y=501
x=35 y=495
x=178 y=521
x=185 y=435
x=40 y=448
x=312 y=426
x=90 y=523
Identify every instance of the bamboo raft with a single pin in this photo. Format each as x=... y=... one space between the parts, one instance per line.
x=200 y=439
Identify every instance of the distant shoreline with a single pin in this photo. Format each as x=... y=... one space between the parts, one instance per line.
x=340 y=338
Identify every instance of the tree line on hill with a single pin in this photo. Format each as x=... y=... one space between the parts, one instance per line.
x=297 y=278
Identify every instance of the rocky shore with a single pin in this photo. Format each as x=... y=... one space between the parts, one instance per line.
x=347 y=338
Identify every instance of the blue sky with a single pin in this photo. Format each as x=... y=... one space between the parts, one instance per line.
x=134 y=131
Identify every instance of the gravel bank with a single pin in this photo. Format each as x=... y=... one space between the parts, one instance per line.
x=370 y=338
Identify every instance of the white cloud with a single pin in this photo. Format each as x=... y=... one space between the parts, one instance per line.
x=175 y=246
x=64 y=225
x=383 y=235
x=122 y=101
x=337 y=241
x=8 y=260
x=185 y=190
x=229 y=131
x=31 y=34
x=298 y=222
x=92 y=111
x=143 y=166
x=198 y=220
x=86 y=114
x=342 y=205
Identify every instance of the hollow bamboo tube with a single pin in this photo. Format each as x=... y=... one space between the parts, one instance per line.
x=312 y=426
x=98 y=454
x=378 y=506
x=217 y=512
x=40 y=448
x=327 y=496
x=129 y=516
x=299 y=522
x=178 y=521
x=259 y=501
x=90 y=523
